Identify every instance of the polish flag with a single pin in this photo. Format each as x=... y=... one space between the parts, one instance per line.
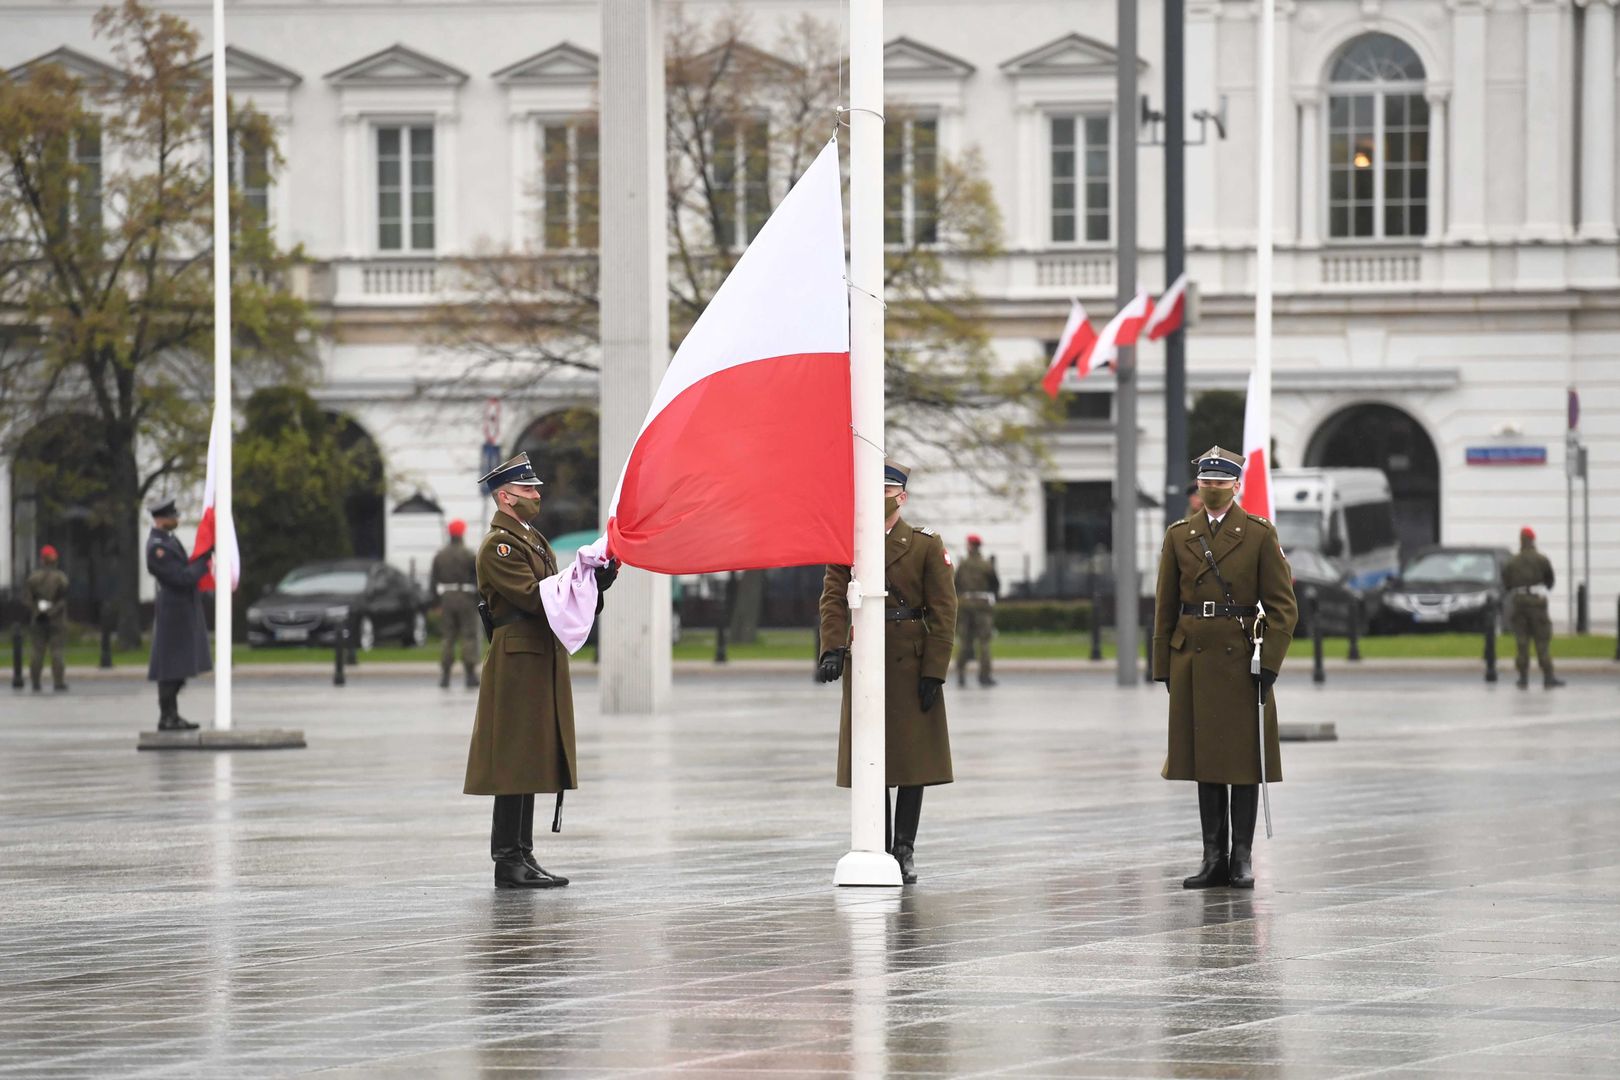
x=1074 y=345
x=746 y=459
x=1123 y=329
x=1257 y=451
x=211 y=535
x=1170 y=312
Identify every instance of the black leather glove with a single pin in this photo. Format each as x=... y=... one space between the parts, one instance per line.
x=831 y=667
x=1267 y=677
x=606 y=575
x=928 y=692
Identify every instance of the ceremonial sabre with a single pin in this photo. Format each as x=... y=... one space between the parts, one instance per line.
x=1260 y=698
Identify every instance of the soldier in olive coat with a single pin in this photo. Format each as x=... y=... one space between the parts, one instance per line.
x=1215 y=567
x=45 y=594
x=977 y=585
x=920 y=626
x=454 y=581
x=1528 y=578
x=179 y=630
x=523 y=737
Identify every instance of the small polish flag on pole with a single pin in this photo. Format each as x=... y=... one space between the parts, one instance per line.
x=1170 y=312
x=1257 y=448
x=216 y=534
x=1075 y=345
x=1123 y=329
x=745 y=460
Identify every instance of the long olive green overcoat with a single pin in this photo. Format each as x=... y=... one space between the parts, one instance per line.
x=523 y=737
x=918 y=576
x=1214 y=734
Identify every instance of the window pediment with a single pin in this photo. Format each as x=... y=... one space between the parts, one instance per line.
x=397 y=65
x=1068 y=56
x=561 y=65
x=75 y=63
x=904 y=58
x=249 y=72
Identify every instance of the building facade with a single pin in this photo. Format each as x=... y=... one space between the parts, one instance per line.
x=1447 y=265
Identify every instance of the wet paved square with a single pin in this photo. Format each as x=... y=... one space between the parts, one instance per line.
x=1442 y=899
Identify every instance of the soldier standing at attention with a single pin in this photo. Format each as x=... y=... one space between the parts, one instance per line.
x=523 y=737
x=1215 y=568
x=977 y=586
x=179 y=631
x=454 y=581
x=920 y=624
x=1528 y=578
x=45 y=594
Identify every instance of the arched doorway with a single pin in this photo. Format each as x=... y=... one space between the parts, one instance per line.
x=364 y=503
x=60 y=496
x=1384 y=437
x=565 y=447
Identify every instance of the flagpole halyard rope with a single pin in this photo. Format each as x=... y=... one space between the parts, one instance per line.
x=867 y=441
x=867 y=292
x=840 y=110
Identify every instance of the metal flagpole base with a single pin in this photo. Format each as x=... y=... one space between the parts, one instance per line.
x=867 y=868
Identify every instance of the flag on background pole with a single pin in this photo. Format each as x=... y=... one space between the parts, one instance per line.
x=1123 y=329
x=745 y=460
x=1257 y=451
x=1073 y=347
x=1170 y=312
x=212 y=534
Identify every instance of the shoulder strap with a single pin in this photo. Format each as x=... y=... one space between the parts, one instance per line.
x=1209 y=556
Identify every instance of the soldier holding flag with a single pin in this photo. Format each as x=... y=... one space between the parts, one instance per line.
x=1220 y=568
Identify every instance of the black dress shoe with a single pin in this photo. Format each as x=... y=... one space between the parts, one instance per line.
x=1550 y=682
x=1242 y=868
x=905 y=856
x=472 y=680
x=514 y=873
x=987 y=681
x=444 y=679
x=62 y=689
x=1213 y=873
x=1523 y=682
x=175 y=723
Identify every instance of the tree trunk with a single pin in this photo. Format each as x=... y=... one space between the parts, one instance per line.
x=747 y=605
x=128 y=563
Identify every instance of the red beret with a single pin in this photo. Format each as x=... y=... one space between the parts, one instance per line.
x=47 y=552
x=975 y=538
x=1528 y=533
x=458 y=527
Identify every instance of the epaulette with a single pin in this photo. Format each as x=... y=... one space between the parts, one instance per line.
x=1183 y=521
x=1261 y=520
x=926 y=531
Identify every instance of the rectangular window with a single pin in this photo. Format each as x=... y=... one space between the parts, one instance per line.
x=739 y=177
x=405 y=207
x=911 y=182
x=87 y=155
x=1080 y=196
x=1378 y=155
x=250 y=172
x=570 y=181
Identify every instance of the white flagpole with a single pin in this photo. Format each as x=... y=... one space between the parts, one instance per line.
x=1263 y=223
x=224 y=574
x=866 y=863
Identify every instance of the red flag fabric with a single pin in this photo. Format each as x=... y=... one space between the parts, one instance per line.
x=1123 y=329
x=210 y=536
x=1257 y=454
x=1076 y=342
x=745 y=460
x=1170 y=312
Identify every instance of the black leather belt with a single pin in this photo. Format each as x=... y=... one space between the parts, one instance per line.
x=1211 y=610
x=507 y=620
x=901 y=614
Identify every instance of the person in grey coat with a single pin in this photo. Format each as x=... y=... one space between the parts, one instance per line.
x=179 y=633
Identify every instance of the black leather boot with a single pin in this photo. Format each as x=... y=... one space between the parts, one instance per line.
x=907 y=811
x=1551 y=681
x=444 y=677
x=505 y=836
x=472 y=678
x=169 y=718
x=1212 y=817
x=526 y=842
x=1523 y=682
x=1245 y=805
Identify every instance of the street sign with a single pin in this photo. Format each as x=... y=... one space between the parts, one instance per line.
x=1507 y=455
x=1574 y=408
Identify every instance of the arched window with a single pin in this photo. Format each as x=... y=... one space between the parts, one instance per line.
x=1378 y=141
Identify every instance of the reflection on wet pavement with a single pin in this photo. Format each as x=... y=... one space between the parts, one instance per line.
x=1440 y=900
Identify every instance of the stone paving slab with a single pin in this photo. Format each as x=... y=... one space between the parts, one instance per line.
x=1440 y=900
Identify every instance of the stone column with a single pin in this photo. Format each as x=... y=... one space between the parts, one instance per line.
x=1466 y=211
x=1597 y=122
x=635 y=627
x=1029 y=228
x=446 y=166
x=525 y=163
x=1439 y=171
x=1312 y=166
x=1545 y=159
x=355 y=186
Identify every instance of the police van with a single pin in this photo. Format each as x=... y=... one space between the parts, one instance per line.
x=1346 y=515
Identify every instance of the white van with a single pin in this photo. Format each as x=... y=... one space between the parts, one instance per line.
x=1346 y=515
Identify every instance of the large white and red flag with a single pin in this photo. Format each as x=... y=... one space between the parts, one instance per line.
x=1123 y=329
x=1257 y=450
x=1170 y=313
x=745 y=460
x=1074 y=347
x=213 y=534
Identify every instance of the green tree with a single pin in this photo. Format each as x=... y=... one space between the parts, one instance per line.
x=106 y=265
x=1216 y=419
x=292 y=476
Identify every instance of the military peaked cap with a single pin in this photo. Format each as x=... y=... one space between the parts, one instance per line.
x=515 y=470
x=1218 y=464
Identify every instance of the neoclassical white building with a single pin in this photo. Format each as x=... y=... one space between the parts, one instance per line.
x=1447 y=262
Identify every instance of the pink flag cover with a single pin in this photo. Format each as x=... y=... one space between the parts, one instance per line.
x=569 y=596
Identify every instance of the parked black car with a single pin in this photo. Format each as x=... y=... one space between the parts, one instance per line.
x=1317 y=575
x=1446 y=588
x=310 y=605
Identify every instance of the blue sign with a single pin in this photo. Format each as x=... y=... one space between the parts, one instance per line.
x=1507 y=455
x=491 y=458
